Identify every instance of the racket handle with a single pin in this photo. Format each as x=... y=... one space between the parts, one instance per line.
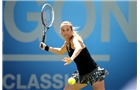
x=43 y=38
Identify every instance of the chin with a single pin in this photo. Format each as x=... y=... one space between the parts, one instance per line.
x=66 y=36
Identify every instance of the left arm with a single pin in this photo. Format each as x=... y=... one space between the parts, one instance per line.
x=78 y=48
x=78 y=45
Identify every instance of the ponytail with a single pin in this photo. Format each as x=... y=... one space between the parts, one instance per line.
x=75 y=33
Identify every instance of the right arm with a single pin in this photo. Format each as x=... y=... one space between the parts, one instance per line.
x=61 y=50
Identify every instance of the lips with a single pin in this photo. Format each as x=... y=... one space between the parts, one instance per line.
x=65 y=35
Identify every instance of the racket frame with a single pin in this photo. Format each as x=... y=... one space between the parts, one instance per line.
x=45 y=29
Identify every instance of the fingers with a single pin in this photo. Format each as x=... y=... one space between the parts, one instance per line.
x=42 y=45
x=67 y=60
x=64 y=60
x=66 y=64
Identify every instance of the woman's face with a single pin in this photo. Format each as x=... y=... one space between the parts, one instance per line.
x=66 y=31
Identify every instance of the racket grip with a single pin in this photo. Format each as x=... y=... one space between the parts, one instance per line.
x=43 y=38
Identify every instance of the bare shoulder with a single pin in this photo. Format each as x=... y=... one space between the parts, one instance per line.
x=63 y=48
x=64 y=44
x=75 y=40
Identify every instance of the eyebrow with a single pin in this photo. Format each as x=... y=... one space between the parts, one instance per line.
x=66 y=29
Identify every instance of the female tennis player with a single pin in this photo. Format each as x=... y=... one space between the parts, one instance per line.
x=88 y=72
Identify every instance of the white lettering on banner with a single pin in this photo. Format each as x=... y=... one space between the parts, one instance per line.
x=19 y=86
x=66 y=78
x=14 y=31
x=57 y=78
x=33 y=82
x=45 y=81
x=129 y=29
x=5 y=78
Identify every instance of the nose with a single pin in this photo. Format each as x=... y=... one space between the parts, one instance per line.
x=65 y=32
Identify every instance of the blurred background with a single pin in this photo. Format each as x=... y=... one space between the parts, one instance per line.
x=109 y=30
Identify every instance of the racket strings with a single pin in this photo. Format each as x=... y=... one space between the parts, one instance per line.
x=48 y=16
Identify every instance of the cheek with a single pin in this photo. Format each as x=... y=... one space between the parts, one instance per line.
x=71 y=32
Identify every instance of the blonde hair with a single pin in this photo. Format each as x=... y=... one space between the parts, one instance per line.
x=75 y=32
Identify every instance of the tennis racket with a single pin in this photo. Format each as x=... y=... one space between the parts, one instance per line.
x=47 y=18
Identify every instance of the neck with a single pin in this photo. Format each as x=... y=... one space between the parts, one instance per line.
x=68 y=39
